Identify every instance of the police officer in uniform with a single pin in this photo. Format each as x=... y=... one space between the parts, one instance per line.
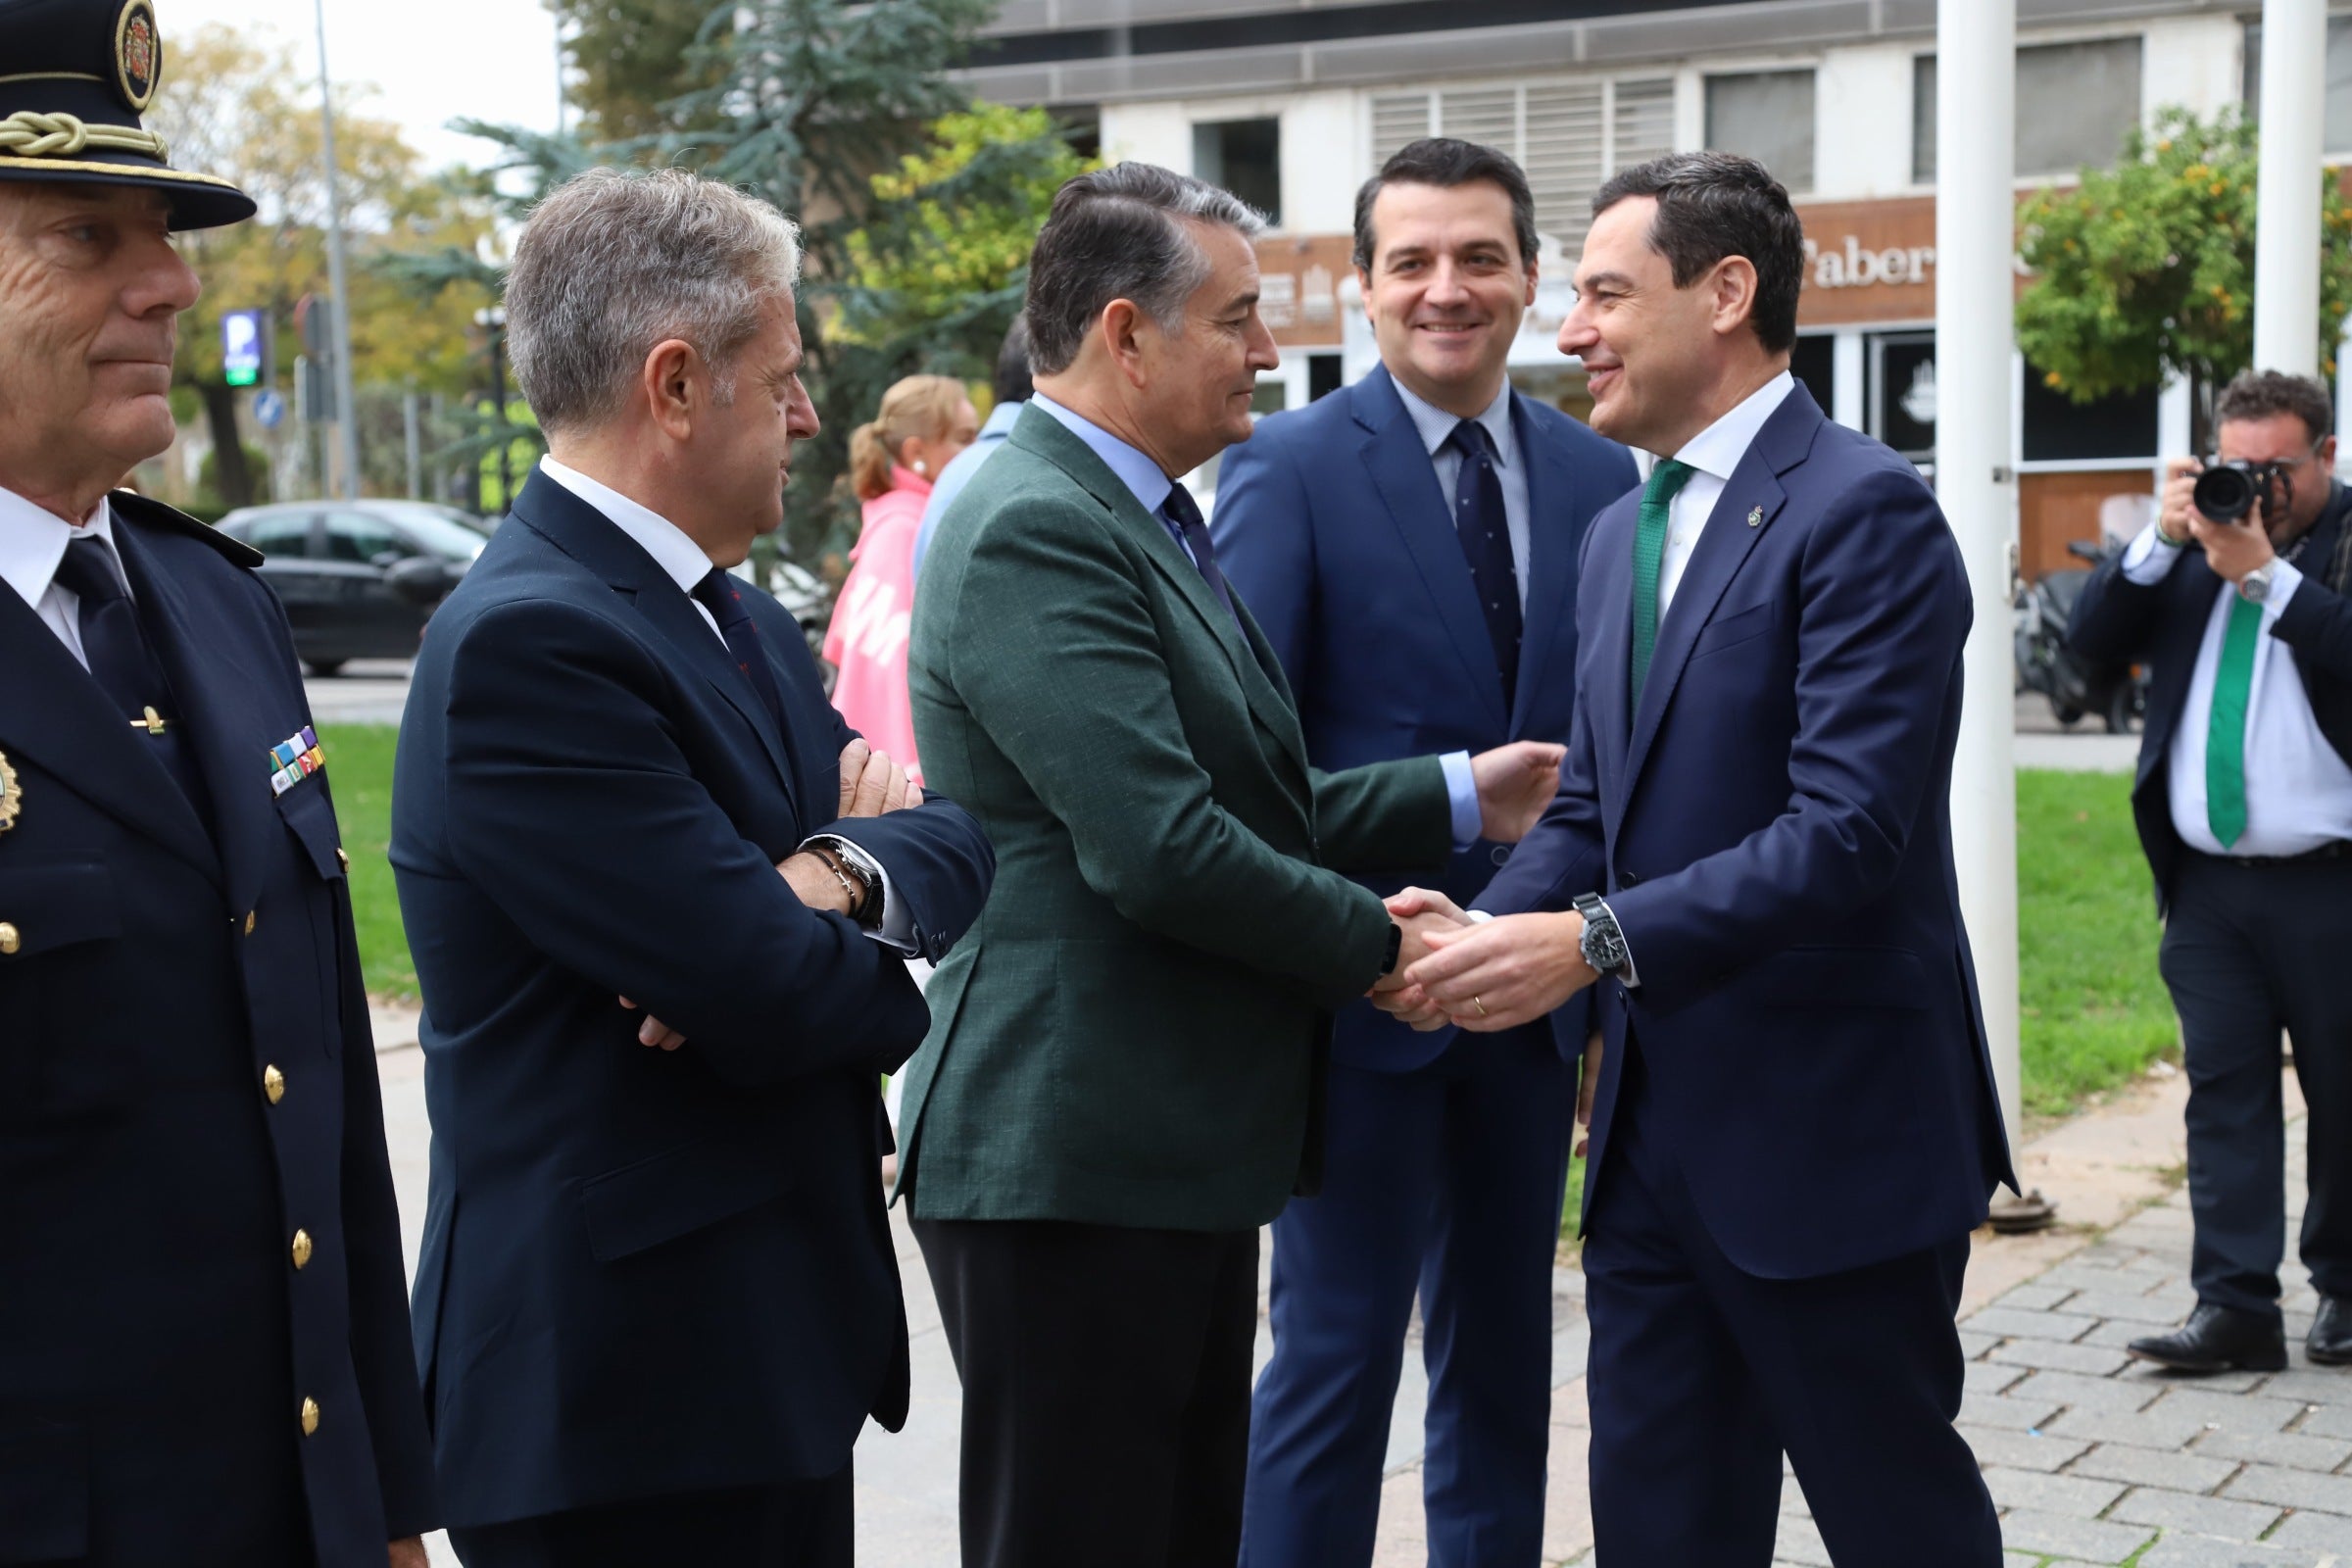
x=204 y=1338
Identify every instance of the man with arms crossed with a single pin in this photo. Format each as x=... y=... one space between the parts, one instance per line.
x=658 y=1298
x=1409 y=546
x=2244 y=809
x=204 y=1357
x=1794 y=1128
x=1124 y=1078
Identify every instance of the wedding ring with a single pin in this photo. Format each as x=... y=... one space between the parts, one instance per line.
x=1480 y=1005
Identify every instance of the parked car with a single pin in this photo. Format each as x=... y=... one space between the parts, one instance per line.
x=359 y=578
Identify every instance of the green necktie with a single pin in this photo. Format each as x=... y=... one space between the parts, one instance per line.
x=2226 y=731
x=1649 y=546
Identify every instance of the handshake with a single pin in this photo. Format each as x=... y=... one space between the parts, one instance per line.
x=1489 y=974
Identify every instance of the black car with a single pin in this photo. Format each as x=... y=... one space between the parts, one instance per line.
x=359 y=578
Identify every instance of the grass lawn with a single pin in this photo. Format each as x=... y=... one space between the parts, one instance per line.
x=2094 y=1011
x=359 y=764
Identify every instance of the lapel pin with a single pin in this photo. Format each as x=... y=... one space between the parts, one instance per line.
x=1756 y=516
x=11 y=795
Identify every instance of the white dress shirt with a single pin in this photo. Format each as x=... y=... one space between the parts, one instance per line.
x=683 y=562
x=2298 y=790
x=1713 y=453
x=32 y=545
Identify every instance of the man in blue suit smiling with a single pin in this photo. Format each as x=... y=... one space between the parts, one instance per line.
x=1794 y=1128
x=1409 y=546
x=661 y=900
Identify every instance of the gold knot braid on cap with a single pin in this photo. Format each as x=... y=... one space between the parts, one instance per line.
x=29 y=135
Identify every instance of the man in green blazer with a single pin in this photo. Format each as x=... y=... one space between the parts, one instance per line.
x=1123 y=1076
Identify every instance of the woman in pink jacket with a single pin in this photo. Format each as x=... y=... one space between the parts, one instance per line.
x=924 y=420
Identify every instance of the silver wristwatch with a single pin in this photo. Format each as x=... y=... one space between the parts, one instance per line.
x=2255 y=586
x=1602 y=943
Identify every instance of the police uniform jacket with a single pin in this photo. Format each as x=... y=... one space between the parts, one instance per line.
x=204 y=1341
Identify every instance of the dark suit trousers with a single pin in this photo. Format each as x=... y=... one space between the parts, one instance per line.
x=792 y=1524
x=1106 y=1389
x=1702 y=1376
x=1446 y=1179
x=2250 y=951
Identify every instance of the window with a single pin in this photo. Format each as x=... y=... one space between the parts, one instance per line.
x=355 y=536
x=2336 y=133
x=281 y=534
x=1244 y=156
x=2075 y=104
x=1814 y=364
x=1901 y=406
x=1569 y=136
x=2057 y=428
x=1767 y=115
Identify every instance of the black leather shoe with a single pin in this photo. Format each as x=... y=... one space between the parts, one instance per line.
x=2330 y=1341
x=2222 y=1338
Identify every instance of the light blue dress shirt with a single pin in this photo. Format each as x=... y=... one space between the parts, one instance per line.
x=1143 y=477
x=958 y=474
x=1436 y=429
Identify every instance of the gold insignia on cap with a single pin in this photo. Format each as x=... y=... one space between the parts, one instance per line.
x=138 y=54
x=11 y=795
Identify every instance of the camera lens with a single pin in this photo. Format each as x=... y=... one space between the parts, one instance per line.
x=2226 y=492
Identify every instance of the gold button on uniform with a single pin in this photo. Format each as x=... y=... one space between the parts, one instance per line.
x=302 y=1248
x=342 y=860
x=250 y=915
x=274 y=1084
x=11 y=939
x=310 y=1416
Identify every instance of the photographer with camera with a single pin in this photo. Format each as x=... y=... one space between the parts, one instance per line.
x=2236 y=597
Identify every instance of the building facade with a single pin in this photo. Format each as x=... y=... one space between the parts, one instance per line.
x=1293 y=105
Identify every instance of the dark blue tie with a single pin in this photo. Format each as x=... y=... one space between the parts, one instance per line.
x=123 y=664
x=723 y=595
x=1485 y=533
x=1182 y=513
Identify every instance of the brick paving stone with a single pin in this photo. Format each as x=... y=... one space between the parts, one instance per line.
x=2007 y=1414
x=2210 y=1382
x=2204 y=1516
x=2277 y=1448
x=1986 y=1377
x=2292 y=1489
x=2152 y=1428
x=1974 y=1345
x=1800 y=1542
x=2021 y=1450
x=2076 y=1540
x=2204 y=1551
x=2088 y=1360
x=2014 y=1323
x=2117 y=1333
x=2310 y=1385
x=2033 y=1297
x=2231 y=1413
x=2075 y=1497
x=2080 y=1393
x=2308 y=1529
x=2326 y=1421
x=2149 y=1467
x=2131 y=1308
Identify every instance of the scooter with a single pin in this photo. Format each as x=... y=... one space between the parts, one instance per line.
x=2074 y=686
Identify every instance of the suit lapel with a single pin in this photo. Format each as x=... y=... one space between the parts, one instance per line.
x=596 y=541
x=1394 y=455
x=1250 y=659
x=1605 y=637
x=52 y=711
x=1550 y=570
x=1743 y=513
x=217 y=683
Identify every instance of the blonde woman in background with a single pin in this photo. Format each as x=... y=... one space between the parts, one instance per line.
x=923 y=421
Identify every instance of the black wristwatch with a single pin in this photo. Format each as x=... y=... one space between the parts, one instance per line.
x=1602 y=943
x=1388 y=966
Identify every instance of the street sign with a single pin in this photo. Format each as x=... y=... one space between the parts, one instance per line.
x=269 y=408
x=241 y=343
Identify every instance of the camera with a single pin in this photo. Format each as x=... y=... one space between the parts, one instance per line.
x=2226 y=491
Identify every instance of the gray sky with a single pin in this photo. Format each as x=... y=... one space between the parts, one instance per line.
x=429 y=60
